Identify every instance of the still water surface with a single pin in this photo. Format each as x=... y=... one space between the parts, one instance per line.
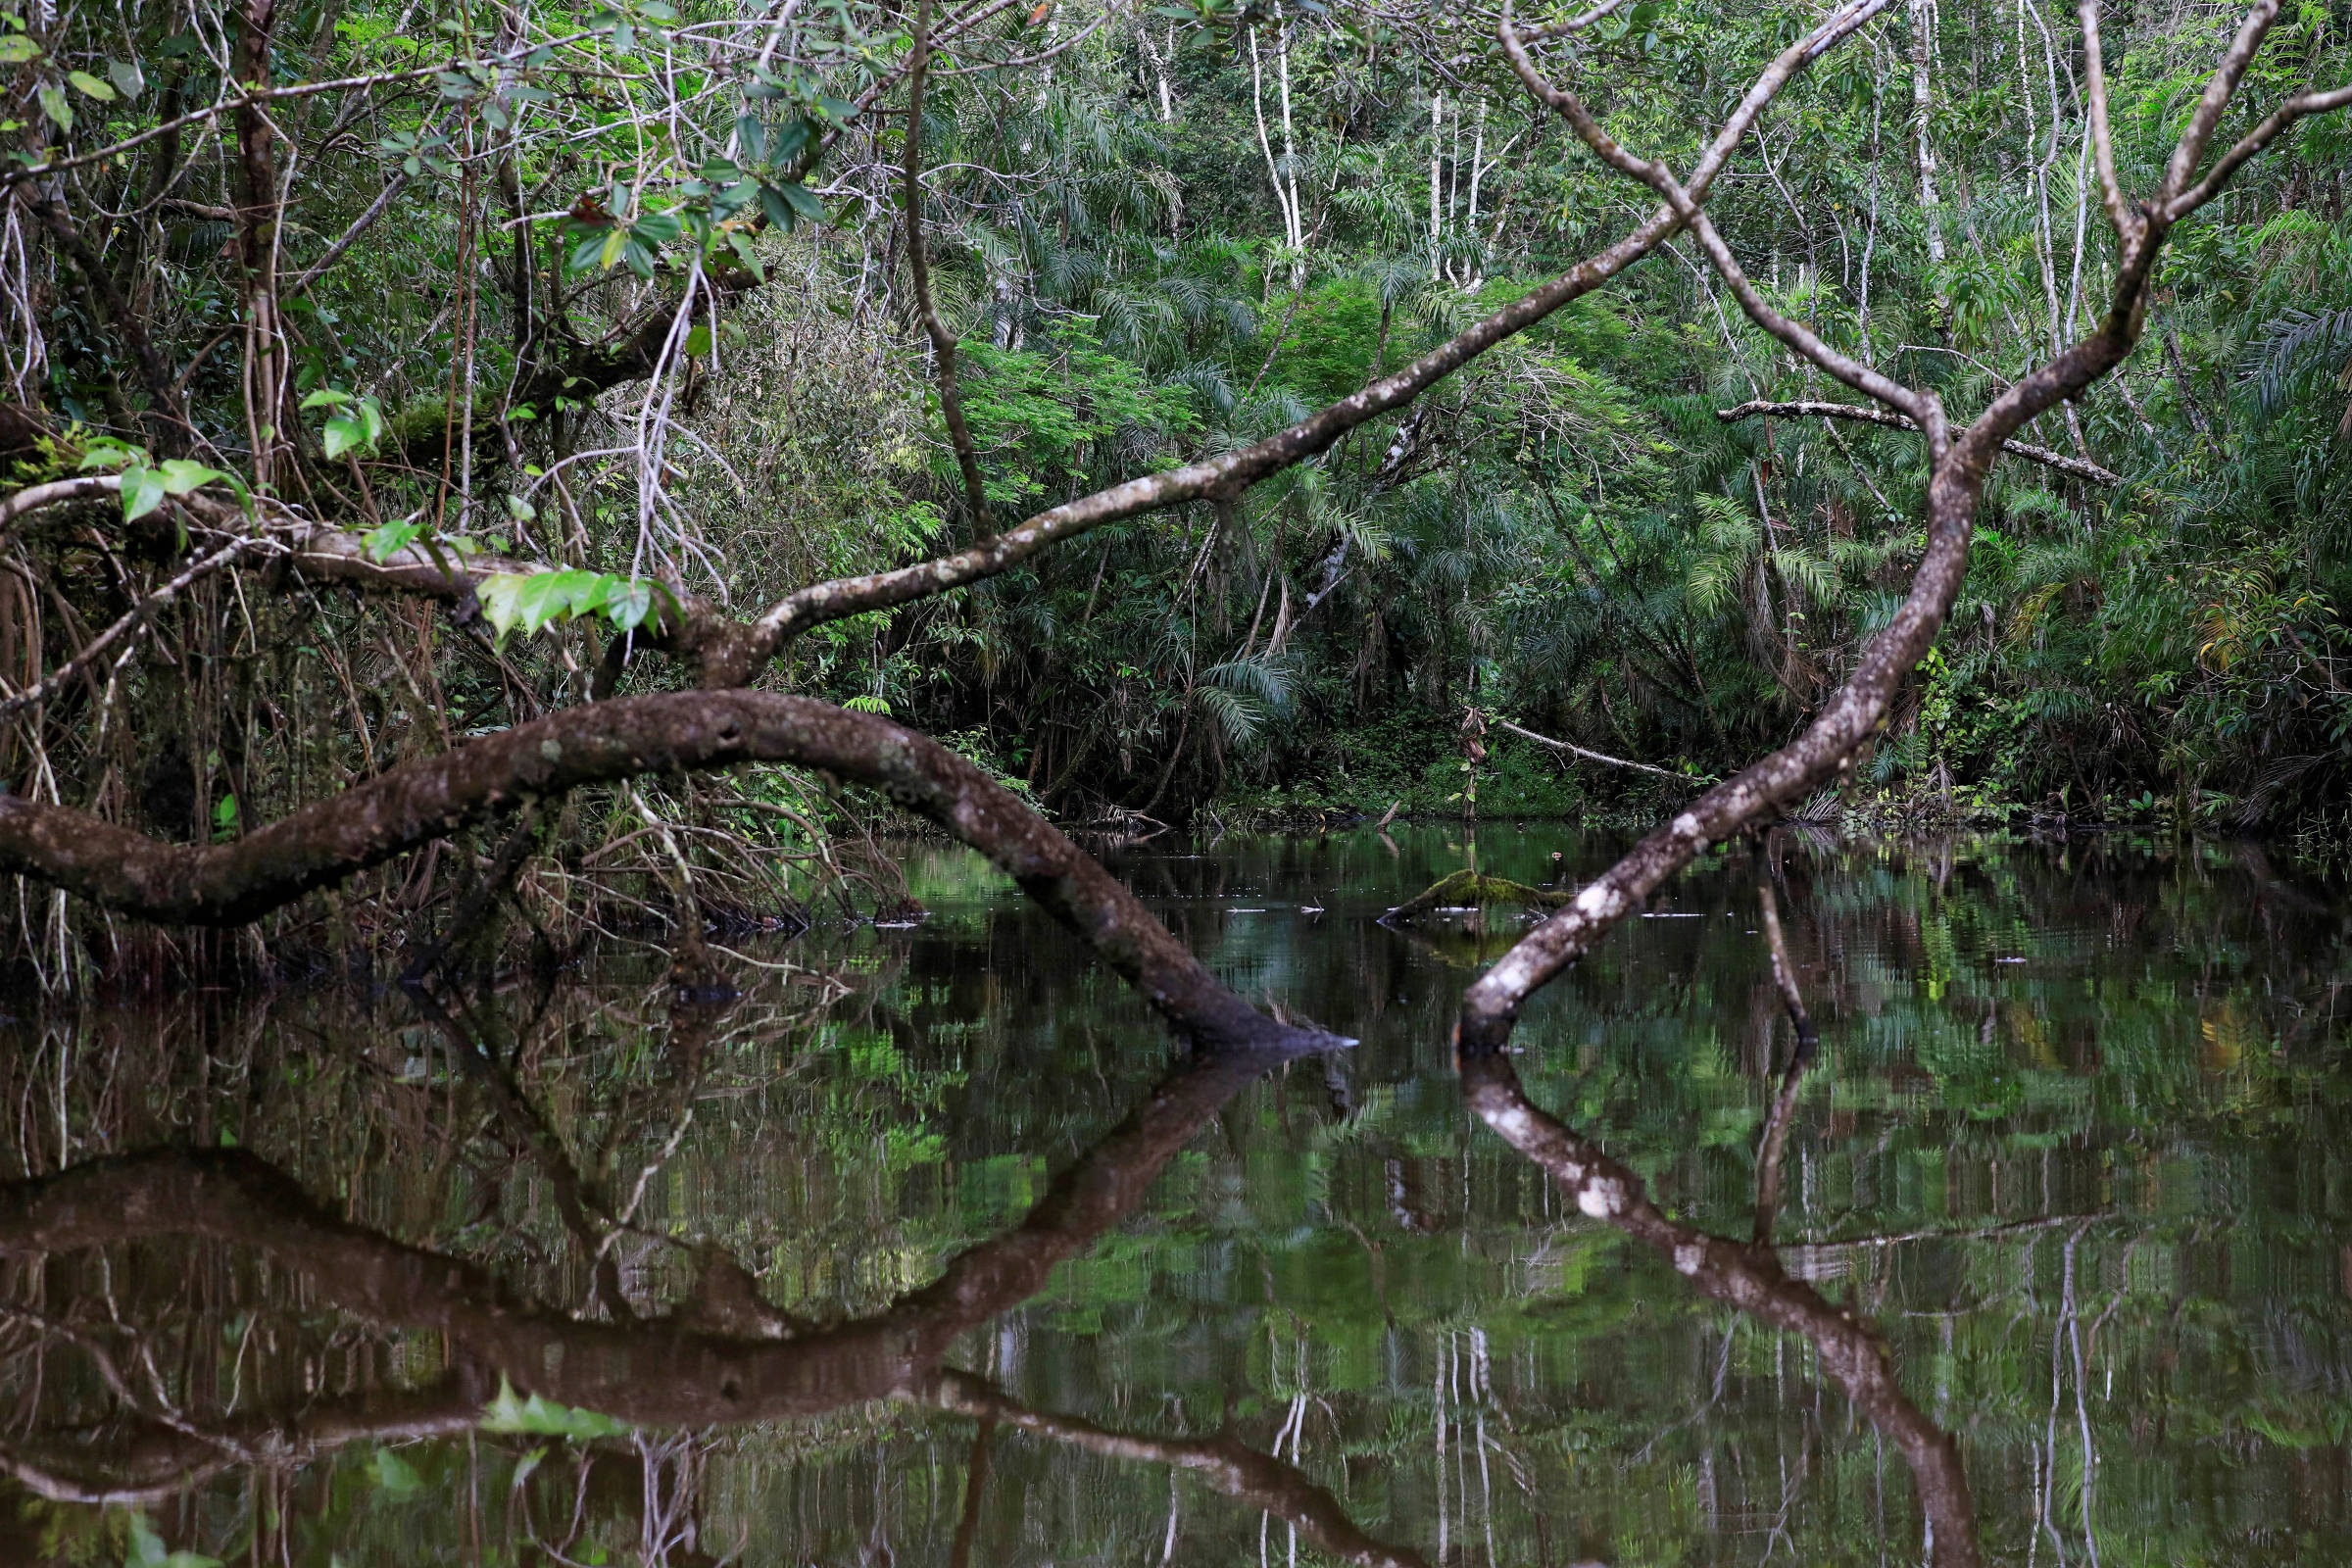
x=933 y=1249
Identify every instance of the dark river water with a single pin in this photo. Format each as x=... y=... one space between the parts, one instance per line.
x=933 y=1247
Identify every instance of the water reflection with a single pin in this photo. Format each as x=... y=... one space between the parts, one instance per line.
x=2071 y=1143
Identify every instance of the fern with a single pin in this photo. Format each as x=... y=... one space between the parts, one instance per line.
x=2286 y=351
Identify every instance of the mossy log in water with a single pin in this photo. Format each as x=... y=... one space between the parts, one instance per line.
x=1468 y=888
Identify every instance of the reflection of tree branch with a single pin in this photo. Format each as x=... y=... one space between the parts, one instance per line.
x=1255 y=1479
x=1751 y=1280
x=1800 y=1056
x=150 y=1460
x=572 y=1195
x=671 y=1372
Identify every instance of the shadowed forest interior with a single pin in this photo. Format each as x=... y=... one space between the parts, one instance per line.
x=980 y=782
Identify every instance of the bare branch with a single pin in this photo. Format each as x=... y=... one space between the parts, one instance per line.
x=1222 y=477
x=57 y=492
x=2213 y=102
x=1802 y=410
x=134 y=620
x=2273 y=127
x=1591 y=756
x=2102 y=142
x=1684 y=201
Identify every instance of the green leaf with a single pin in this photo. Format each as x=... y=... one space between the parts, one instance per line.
x=588 y=253
x=698 y=342
x=784 y=203
x=655 y=229
x=326 y=397
x=750 y=138
x=741 y=244
x=181 y=477
x=615 y=243
x=543 y=1417
x=15 y=49
x=127 y=75
x=53 y=105
x=91 y=86
x=784 y=145
x=105 y=452
x=382 y=544
x=142 y=490
x=394 y=1476
x=146 y=1550
x=628 y=604
x=866 y=704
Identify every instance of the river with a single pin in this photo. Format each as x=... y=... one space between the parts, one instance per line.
x=931 y=1246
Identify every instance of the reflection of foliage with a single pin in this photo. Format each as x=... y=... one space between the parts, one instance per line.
x=2132 y=1135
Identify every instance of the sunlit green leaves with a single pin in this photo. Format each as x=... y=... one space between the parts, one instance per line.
x=382 y=544
x=356 y=425
x=543 y=1417
x=145 y=488
x=145 y=1550
x=536 y=601
x=394 y=1476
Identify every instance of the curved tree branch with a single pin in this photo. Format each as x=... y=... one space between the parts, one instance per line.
x=601 y=743
x=1492 y=1006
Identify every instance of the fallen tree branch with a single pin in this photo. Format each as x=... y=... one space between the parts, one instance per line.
x=1595 y=757
x=599 y=743
x=2059 y=460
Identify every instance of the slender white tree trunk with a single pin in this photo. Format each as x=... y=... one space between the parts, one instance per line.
x=1159 y=69
x=1436 y=189
x=1284 y=192
x=1923 y=94
x=1294 y=210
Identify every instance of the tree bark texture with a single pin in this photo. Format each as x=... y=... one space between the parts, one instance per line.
x=599 y=743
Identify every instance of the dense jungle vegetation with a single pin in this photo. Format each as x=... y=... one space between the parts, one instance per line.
x=600 y=463
x=382 y=377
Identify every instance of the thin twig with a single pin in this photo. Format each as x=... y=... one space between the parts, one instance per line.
x=135 y=617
